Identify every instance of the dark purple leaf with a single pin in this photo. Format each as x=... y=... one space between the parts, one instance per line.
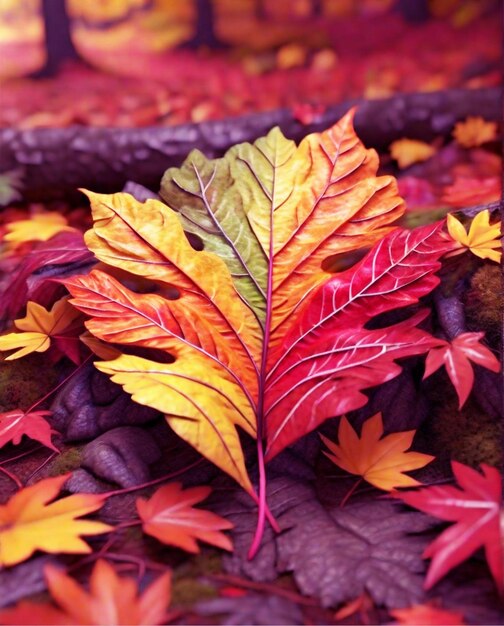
x=122 y=455
x=334 y=553
x=62 y=255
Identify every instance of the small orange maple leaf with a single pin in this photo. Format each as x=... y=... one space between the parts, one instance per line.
x=380 y=460
x=170 y=517
x=475 y=131
x=409 y=151
x=482 y=239
x=40 y=227
x=38 y=327
x=111 y=600
x=28 y=522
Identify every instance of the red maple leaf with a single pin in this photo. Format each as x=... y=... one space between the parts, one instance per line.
x=15 y=424
x=455 y=356
x=476 y=508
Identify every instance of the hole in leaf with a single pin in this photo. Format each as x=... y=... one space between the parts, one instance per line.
x=195 y=241
x=152 y=354
x=341 y=262
x=389 y=318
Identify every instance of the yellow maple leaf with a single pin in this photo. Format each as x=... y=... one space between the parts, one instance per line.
x=482 y=239
x=474 y=131
x=29 y=521
x=40 y=227
x=409 y=151
x=38 y=327
x=380 y=460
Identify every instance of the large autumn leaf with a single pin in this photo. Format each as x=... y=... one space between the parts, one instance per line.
x=111 y=600
x=475 y=507
x=260 y=335
x=30 y=521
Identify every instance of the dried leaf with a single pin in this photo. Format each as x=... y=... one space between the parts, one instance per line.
x=380 y=460
x=482 y=239
x=38 y=328
x=169 y=515
x=29 y=521
x=475 y=507
x=456 y=356
x=474 y=131
x=333 y=553
x=427 y=614
x=409 y=151
x=15 y=424
x=40 y=227
x=112 y=600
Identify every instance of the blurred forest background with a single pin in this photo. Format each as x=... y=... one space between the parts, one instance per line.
x=143 y=62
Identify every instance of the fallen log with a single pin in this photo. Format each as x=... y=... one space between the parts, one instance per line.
x=57 y=161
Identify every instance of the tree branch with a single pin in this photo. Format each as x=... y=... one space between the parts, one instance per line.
x=57 y=161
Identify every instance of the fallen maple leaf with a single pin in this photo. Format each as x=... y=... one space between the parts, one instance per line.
x=475 y=131
x=333 y=553
x=40 y=227
x=111 y=600
x=169 y=515
x=469 y=191
x=475 y=507
x=29 y=521
x=409 y=151
x=428 y=615
x=15 y=424
x=482 y=239
x=381 y=461
x=455 y=356
x=39 y=326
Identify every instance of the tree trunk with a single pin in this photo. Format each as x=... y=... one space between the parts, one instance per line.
x=317 y=8
x=57 y=161
x=58 y=38
x=414 y=11
x=205 y=35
